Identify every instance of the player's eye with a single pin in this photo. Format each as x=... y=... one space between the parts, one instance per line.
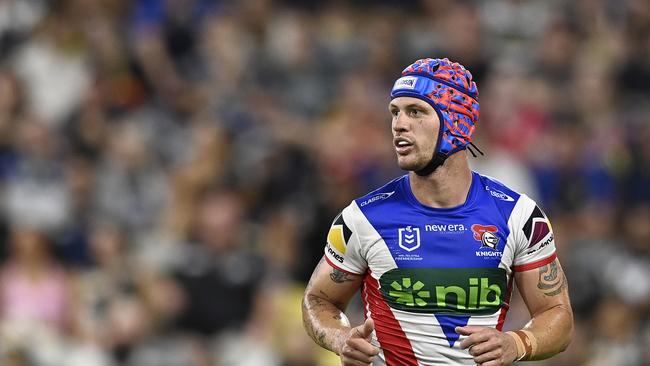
x=415 y=113
x=394 y=112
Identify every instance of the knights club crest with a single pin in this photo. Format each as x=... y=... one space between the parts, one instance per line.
x=486 y=234
x=409 y=238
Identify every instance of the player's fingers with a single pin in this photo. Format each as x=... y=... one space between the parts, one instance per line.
x=357 y=355
x=368 y=327
x=483 y=347
x=475 y=338
x=362 y=345
x=495 y=354
x=496 y=362
x=364 y=330
x=469 y=329
x=345 y=361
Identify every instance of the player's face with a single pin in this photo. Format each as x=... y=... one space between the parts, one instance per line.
x=415 y=127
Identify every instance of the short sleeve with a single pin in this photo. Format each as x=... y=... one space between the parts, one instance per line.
x=535 y=242
x=342 y=250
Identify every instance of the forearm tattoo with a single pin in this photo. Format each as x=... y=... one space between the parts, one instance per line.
x=339 y=276
x=322 y=314
x=314 y=305
x=551 y=279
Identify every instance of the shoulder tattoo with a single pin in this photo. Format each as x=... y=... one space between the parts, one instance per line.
x=551 y=279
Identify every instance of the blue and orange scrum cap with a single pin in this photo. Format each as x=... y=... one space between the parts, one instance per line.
x=448 y=87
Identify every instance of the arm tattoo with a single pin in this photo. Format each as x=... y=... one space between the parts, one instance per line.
x=339 y=276
x=313 y=303
x=323 y=314
x=340 y=305
x=316 y=305
x=551 y=279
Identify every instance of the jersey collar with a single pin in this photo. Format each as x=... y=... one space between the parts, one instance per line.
x=469 y=201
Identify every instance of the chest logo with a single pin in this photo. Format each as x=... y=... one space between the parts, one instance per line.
x=409 y=238
x=457 y=291
x=486 y=235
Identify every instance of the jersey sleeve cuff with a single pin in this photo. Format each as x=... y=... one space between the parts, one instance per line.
x=339 y=268
x=536 y=264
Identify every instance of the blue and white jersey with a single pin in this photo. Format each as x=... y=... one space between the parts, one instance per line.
x=427 y=270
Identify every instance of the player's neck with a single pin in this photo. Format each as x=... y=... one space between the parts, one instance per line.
x=447 y=186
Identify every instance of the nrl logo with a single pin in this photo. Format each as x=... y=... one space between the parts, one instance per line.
x=486 y=235
x=409 y=238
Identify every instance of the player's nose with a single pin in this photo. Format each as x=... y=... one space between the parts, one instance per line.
x=400 y=122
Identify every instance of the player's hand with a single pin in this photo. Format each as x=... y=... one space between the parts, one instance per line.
x=357 y=350
x=488 y=346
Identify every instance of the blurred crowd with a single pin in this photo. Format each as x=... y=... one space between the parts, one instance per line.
x=169 y=168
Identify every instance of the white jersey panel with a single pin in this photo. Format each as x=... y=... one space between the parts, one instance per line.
x=344 y=249
x=373 y=247
x=533 y=234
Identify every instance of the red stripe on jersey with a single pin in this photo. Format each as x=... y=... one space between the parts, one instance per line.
x=506 y=307
x=533 y=265
x=339 y=268
x=397 y=348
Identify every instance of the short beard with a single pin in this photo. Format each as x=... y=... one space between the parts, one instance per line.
x=413 y=166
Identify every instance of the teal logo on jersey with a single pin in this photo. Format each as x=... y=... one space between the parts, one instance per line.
x=468 y=291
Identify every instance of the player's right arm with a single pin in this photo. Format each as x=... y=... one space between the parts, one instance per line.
x=326 y=298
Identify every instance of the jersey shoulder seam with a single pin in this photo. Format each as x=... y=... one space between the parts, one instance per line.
x=362 y=248
x=487 y=179
x=380 y=194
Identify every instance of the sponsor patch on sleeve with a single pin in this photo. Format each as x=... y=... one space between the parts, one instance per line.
x=337 y=238
x=538 y=231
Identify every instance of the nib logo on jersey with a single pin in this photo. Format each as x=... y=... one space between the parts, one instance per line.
x=486 y=234
x=538 y=231
x=452 y=295
x=337 y=238
x=455 y=291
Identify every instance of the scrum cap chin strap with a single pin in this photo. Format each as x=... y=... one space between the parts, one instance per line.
x=437 y=160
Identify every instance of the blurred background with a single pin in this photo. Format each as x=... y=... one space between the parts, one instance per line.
x=169 y=168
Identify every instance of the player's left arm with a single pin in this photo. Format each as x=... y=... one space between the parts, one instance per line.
x=545 y=292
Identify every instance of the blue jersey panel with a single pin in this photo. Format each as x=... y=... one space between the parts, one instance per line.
x=472 y=235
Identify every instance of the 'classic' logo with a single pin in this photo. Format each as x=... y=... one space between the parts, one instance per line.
x=377 y=197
